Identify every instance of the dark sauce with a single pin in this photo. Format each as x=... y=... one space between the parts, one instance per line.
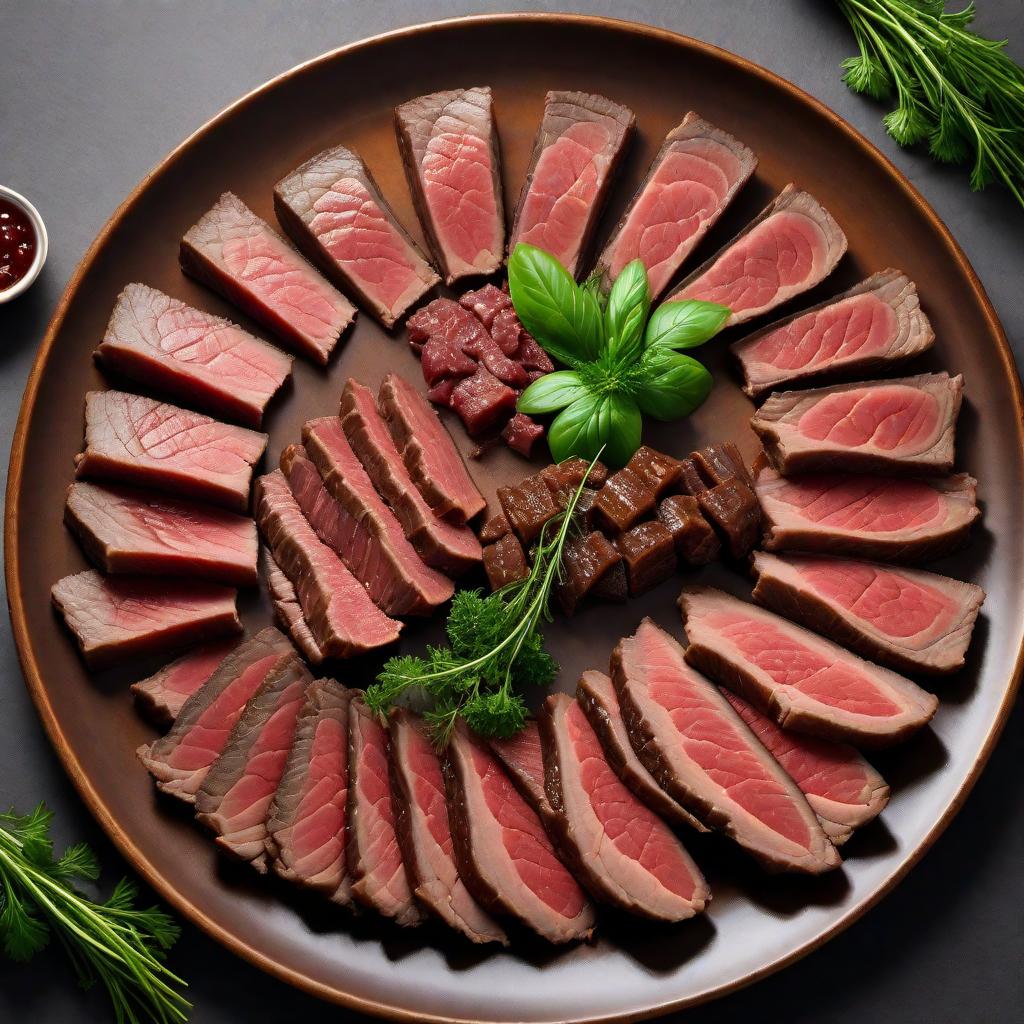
x=17 y=244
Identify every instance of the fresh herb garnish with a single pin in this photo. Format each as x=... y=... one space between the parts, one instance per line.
x=622 y=362
x=955 y=90
x=114 y=943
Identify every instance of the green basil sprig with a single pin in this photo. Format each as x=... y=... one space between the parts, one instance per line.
x=623 y=361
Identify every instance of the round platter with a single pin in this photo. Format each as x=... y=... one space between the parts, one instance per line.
x=757 y=923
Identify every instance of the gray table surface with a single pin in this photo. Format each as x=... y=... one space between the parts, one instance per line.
x=92 y=95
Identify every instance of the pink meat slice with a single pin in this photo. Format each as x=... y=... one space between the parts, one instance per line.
x=803 y=681
x=238 y=254
x=235 y=797
x=139 y=440
x=197 y=358
x=791 y=246
x=910 y=620
x=905 y=426
x=449 y=145
x=875 y=324
x=842 y=788
x=579 y=146
x=180 y=760
x=702 y=754
x=692 y=180
x=115 y=619
x=334 y=212
x=871 y=516
x=522 y=757
x=287 y=610
x=130 y=530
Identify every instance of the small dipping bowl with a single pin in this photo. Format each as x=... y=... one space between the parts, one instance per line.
x=25 y=282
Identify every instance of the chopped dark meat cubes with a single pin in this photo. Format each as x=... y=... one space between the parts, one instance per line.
x=660 y=472
x=482 y=401
x=623 y=501
x=649 y=555
x=720 y=462
x=734 y=509
x=521 y=433
x=613 y=586
x=585 y=562
x=528 y=506
x=505 y=562
x=495 y=527
x=564 y=477
x=690 y=480
x=695 y=541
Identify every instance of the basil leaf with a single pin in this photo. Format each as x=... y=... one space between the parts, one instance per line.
x=575 y=431
x=674 y=384
x=622 y=425
x=685 y=324
x=565 y=319
x=552 y=392
x=611 y=421
x=629 y=302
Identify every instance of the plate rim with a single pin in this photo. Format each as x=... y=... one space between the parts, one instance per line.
x=16 y=604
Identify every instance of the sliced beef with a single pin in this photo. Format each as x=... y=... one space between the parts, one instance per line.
x=842 y=788
x=618 y=847
x=333 y=211
x=586 y=562
x=523 y=758
x=910 y=620
x=505 y=562
x=692 y=180
x=343 y=619
x=690 y=739
x=694 y=539
x=649 y=555
x=191 y=356
x=876 y=324
x=730 y=506
x=180 y=760
x=521 y=433
x=791 y=246
x=373 y=855
x=235 y=797
x=903 y=427
x=363 y=527
x=528 y=506
x=424 y=833
x=502 y=851
x=483 y=402
x=871 y=516
x=287 y=610
x=801 y=680
x=306 y=823
x=623 y=501
x=576 y=155
x=429 y=453
x=660 y=472
x=139 y=440
x=236 y=253
x=441 y=544
x=130 y=530
x=115 y=619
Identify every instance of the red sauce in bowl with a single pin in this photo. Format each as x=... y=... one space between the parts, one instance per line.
x=17 y=244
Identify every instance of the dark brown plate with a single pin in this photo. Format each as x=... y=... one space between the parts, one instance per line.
x=757 y=924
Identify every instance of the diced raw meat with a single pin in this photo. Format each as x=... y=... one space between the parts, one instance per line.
x=118 y=618
x=506 y=330
x=660 y=472
x=586 y=562
x=449 y=147
x=235 y=797
x=649 y=555
x=695 y=541
x=130 y=530
x=429 y=453
x=343 y=619
x=521 y=433
x=445 y=318
x=905 y=426
x=379 y=878
x=801 y=680
x=577 y=152
x=910 y=620
x=502 y=851
x=486 y=351
x=333 y=211
x=791 y=246
x=197 y=358
x=483 y=402
x=870 y=516
x=142 y=441
x=287 y=610
x=623 y=501
x=441 y=544
x=532 y=357
x=872 y=326
x=180 y=760
x=442 y=361
x=621 y=850
x=692 y=180
x=306 y=823
x=505 y=562
x=236 y=253
x=424 y=833
x=528 y=507
x=522 y=757
x=486 y=303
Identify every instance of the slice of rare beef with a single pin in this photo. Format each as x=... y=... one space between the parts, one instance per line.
x=904 y=427
x=910 y=620
x=701 y=753
x=791 y=246
x=692 y=180
x=424 y=833
x=874 y=325
x=576 y=155
x=449 y=146
x=287 y=610
x=803 y=681
x=238 y=254
x=523 y=758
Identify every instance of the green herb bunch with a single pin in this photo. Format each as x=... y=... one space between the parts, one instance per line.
x=953 y=89
x=623 y=362
x=114 y=943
